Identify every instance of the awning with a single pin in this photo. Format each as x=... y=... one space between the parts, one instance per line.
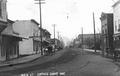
x=39 y=39
x=36 y=39
x=46 y=41
x=116 y=35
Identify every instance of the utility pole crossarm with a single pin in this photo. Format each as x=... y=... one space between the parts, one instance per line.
x=40 y=3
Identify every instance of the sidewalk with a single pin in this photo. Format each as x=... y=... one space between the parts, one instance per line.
x=27 y=59
x=92 y=50
x=20 y=60
x=30 y=61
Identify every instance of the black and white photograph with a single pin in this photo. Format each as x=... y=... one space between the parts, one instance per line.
x=59 y=37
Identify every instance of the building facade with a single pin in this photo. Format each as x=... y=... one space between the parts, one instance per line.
x=8 y=38
x=9 y=42
x=56 y=43
x=107 y=31
x=46 y=36
x=28 y=29
x=116 y=13
x=3 y=15
x=87 y=41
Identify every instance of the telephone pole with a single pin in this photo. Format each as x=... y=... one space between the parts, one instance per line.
x=54 y=36
x=94 y=32
x=113 y=1
x=82 y=37
x=39 y=2
x=58 y=35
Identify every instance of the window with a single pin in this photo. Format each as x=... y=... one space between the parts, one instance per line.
x=115 y=25
x=106 y=31
x=3 y=52
x=102 y=30
x=118 y=24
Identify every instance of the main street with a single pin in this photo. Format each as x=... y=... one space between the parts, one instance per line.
x=73 y=62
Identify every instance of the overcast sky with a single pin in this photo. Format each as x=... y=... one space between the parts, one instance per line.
x=68 y=15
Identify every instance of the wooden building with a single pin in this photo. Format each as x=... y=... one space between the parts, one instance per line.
x=9 y=43
x=28 y=29
x=8 y=38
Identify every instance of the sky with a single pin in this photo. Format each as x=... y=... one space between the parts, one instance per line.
x=69 y=16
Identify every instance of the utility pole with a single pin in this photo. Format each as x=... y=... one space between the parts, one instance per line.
x=94 y=32
x=113 y=1
x=58 y=35
x=82 y=37
x=54 y=36
x=39 y=2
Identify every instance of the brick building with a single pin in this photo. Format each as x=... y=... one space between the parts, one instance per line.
x=107 y=31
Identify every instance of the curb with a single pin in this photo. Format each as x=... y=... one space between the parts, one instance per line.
x=13 y=64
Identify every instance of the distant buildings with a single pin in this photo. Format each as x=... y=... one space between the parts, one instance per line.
x=58 y=43
x=87 y=42
x=106 y=31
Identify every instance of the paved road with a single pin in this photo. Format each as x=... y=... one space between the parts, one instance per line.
x=74 y=62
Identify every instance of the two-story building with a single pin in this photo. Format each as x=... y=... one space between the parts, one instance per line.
x=107 y=31
x=46 y=36
x=10 y=42
x=30 y=30
x=116 y=13
x=8 y=38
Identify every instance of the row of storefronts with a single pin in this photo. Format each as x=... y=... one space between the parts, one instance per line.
x=20 y=37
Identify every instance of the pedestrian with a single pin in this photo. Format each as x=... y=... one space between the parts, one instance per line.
x=46 y=51
x=50 y=50
x=115 y=55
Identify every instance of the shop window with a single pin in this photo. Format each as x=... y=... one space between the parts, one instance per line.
x=3 y=52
